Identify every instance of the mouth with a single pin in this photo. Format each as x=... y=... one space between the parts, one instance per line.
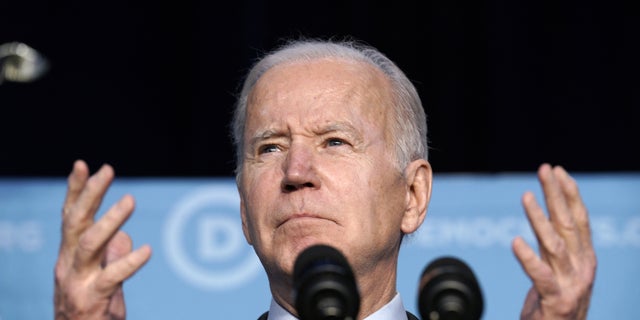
x=302 y=216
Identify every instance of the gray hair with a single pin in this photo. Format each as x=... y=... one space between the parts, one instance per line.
x=409 y=123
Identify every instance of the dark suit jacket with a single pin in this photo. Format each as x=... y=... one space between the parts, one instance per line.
x=409 y=315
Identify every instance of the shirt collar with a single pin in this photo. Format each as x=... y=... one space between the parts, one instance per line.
x=277 y=312
x=392 y=310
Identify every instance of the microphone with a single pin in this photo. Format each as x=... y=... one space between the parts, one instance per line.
x=449 y=291
x=324 y=284
x=21 y=63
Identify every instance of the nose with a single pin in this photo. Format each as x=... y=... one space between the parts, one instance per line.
x=299 y=169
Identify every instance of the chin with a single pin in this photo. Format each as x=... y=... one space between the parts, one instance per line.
x=290 y=252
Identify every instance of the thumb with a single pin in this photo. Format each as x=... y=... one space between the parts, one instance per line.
x=119 y=246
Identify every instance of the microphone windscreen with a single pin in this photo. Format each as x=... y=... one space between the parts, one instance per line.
x=324 y=284
x=449 y=290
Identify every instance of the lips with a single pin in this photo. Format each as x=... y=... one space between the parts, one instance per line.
x=298 y=216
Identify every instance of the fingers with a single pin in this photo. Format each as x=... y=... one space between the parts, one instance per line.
x=560 y=214
x=84 y=243
x=121 y=263
x=93 y=241
x=564 y=272
x=75 y=182
x=95 y=257
x=90 y=198
x=118 y=271
x=576 y=206
x=119 y=246
x=83 y=200
x=552 y=245
x=538 y=271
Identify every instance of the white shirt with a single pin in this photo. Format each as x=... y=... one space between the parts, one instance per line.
x=394 y=310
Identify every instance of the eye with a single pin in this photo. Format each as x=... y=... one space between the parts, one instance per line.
x=334 y=142
x=268 y=148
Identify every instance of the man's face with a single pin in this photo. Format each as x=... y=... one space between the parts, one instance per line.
x=319 y=165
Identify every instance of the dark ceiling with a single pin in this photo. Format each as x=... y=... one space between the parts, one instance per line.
x=149 y=86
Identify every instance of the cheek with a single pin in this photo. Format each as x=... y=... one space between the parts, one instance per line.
x=256 y=204
x=259 y=181
x=388 y=198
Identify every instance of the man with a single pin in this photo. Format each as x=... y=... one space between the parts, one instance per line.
x=331 y=149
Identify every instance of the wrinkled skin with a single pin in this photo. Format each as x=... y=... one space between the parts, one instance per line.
x=319 y=169
x=564 y=272
x=95 y=257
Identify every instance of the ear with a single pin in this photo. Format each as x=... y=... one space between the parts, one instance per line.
x=243 y=216
x=418 y=176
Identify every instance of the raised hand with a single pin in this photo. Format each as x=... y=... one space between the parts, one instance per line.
x=564 y=272
x=95 y=256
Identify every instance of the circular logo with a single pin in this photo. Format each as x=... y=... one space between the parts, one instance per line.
x=204 y=241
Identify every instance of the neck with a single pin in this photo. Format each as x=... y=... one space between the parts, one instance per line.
x=377 y=288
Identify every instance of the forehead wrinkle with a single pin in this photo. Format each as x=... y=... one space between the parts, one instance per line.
x=317 y=129
x=367 y=87
x=334 y=126
x=262 y=135
x=343 y=127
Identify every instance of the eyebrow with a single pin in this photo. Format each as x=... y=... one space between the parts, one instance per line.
x=340 y=126
x=264 y=135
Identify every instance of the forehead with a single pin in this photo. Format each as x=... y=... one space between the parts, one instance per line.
x=326 y=86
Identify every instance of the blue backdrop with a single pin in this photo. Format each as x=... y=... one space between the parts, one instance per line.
x=202 y=267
